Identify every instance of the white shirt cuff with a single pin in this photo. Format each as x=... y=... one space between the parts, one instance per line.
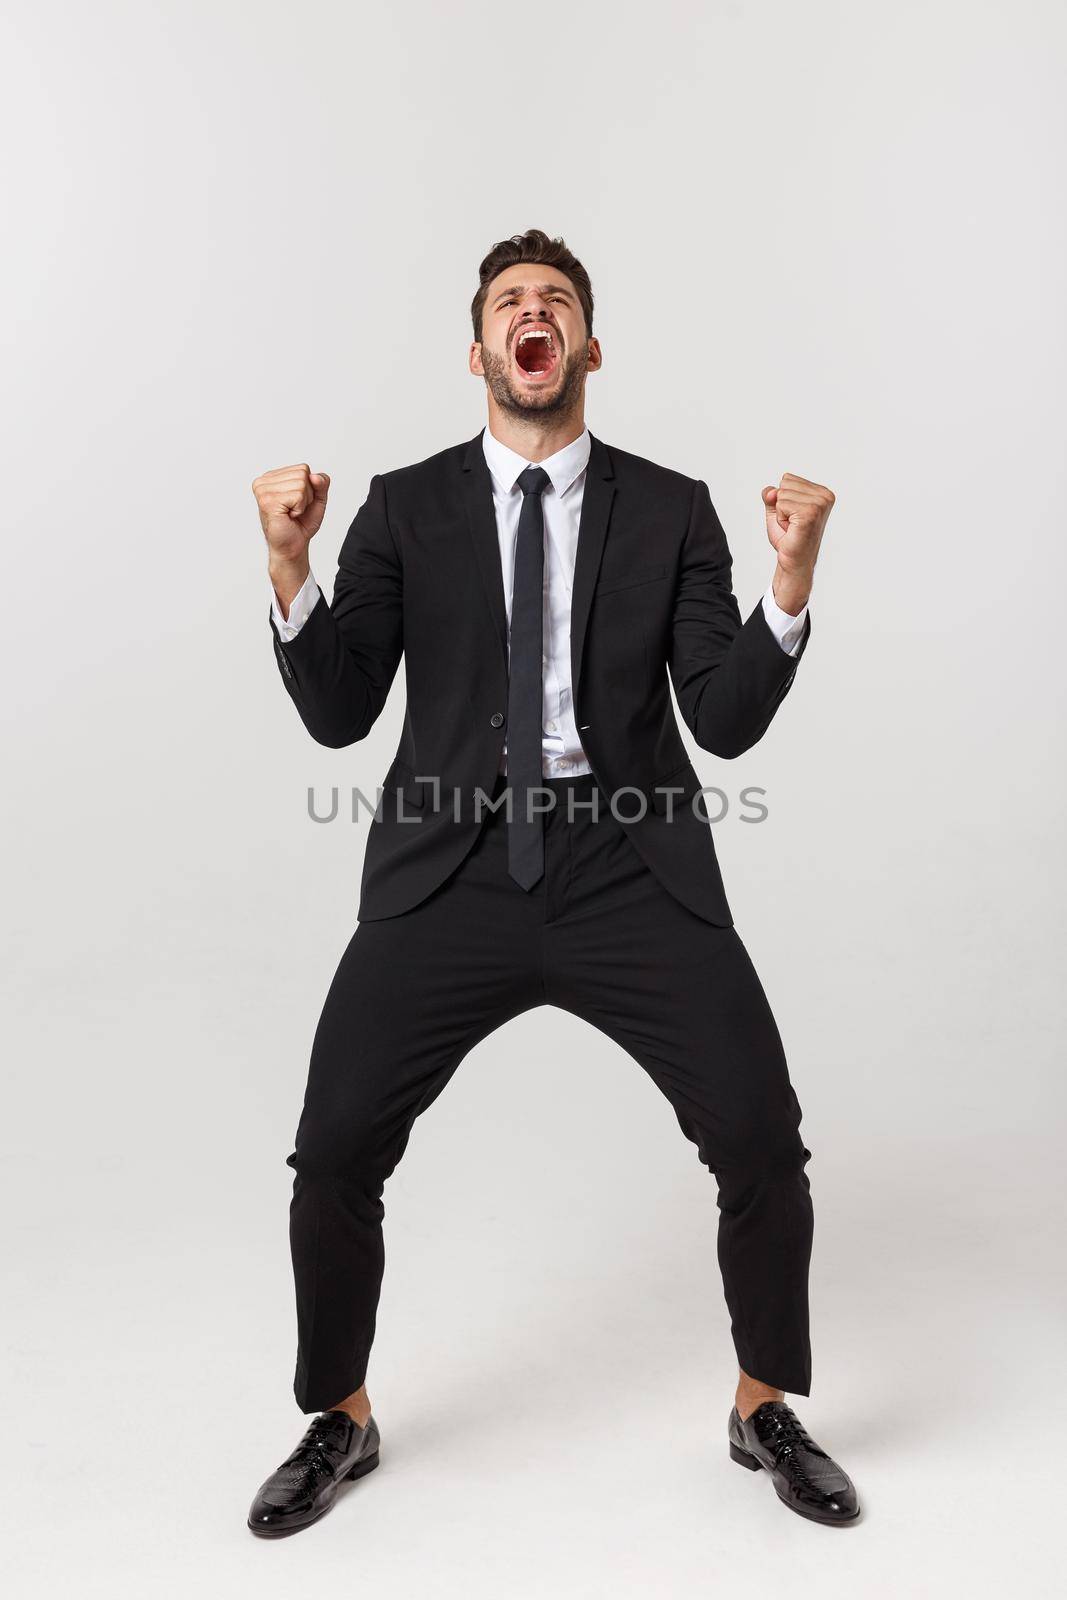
x=786 y=629
x=299 y=611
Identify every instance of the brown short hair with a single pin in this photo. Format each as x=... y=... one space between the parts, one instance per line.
x=535 y=247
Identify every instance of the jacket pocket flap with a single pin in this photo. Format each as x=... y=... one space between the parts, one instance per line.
x=664 y=791
x=628 y=580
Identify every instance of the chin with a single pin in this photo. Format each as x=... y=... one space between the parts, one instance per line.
x=552 y=397
x=536 y=399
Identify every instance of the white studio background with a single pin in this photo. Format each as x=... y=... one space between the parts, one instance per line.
x=826 y=239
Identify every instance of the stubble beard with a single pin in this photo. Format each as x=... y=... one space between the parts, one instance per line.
x=564 y=396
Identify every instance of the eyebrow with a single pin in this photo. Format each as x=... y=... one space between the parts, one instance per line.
x=542 y=288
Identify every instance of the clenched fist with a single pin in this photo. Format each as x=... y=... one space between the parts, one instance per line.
x=292 y=504
x=796 y=517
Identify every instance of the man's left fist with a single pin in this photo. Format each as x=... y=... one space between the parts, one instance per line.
x=796 y=516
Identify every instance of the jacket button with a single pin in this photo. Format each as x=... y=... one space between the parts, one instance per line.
x=497 y=719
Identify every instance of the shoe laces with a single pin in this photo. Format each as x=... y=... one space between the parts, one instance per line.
x=789 y=1441
x=788 y=1428
x=311 y=1455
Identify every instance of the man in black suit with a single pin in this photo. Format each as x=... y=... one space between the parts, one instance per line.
x=540 y=839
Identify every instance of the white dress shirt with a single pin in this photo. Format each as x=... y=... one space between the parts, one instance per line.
x=562 y=503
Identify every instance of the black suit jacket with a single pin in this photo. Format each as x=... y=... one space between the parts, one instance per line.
x=419 y=576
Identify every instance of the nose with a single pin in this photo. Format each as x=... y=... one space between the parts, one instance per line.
x=535 y=310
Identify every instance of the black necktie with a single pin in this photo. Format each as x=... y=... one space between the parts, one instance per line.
x=526 y=845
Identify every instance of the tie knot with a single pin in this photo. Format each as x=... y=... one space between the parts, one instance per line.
x=533 y=480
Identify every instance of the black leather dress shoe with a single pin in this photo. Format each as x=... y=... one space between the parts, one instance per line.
x=804 y=1476
x=305 y=1485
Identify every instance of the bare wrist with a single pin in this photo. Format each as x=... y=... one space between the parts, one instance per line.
x=791 y=590
x=288 y=578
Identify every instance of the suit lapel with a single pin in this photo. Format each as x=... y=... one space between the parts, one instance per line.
x=597 y=497
x=481 y=519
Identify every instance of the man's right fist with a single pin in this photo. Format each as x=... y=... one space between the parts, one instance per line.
x=292 y=504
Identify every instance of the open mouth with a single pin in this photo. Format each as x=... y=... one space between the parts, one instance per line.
x=536 y=354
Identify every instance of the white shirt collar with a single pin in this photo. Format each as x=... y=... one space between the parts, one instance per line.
x=563 y=468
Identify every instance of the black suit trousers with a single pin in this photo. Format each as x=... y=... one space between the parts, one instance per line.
x=598 y=936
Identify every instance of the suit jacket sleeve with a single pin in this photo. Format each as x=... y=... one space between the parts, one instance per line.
x=730 y=677
x=339 y=668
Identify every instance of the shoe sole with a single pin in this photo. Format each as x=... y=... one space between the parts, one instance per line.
x=743 y=1459
x=360 y=1470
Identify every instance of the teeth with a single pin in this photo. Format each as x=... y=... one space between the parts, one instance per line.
x=535 y=333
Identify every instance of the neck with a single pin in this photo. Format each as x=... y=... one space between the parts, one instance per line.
x=535 y=438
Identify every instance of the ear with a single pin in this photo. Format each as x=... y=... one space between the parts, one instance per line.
x=474 y=360
x=596 y=355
